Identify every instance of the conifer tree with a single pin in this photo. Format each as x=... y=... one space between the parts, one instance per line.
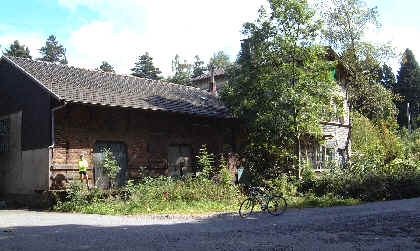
x=408 y=87
x=53 y=52
x=106 y=67
x=144 y=68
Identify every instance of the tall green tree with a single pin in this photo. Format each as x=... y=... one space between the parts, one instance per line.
x=219 y=61
x=198 y=67
x=17 y=50
x=387 y=77
x=144 y=68
x=346 y=22
x=408 y=87
x=53 y=51
x=106 y=67
x=282 y=86
x=182 y=71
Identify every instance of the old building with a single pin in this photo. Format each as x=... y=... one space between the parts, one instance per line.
x=50 y=114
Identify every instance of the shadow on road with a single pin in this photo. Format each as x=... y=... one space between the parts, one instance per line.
x=221 y=232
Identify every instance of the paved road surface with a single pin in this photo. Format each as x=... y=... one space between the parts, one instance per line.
x=393 y=225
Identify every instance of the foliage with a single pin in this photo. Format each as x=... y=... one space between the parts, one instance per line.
x=284 y=184
x=263 y=162
x=387 y=77
x=412 y=143
x=219 y=61
x=347 y=21
x=110 y=165
x=375 y=145
x=17 y=50
x=282 y=86
x=225 y=177
x=198 y=67
x=182 y=71
x=408 y=86
x=106 y=67
x=53 y=52
x=156 y=195
x=144 y=68
x=205 y=161
x=184 y=195
x=400 y=179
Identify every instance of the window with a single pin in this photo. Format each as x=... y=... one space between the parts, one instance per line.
x=179 y=160
x=4 y=135
x=320 y=157
x=329 y=157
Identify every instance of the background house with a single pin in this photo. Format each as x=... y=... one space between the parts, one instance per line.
x=336 y=131
x=50 y=114
x=204 y=82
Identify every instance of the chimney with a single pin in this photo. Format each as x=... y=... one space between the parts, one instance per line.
x=212 y=84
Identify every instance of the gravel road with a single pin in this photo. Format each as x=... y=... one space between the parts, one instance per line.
x=393 y=225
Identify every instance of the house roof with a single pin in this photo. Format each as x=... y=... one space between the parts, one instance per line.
x=217 y=72
x=72 y=84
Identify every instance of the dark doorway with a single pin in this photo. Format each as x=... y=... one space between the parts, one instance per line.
x=179 y=160
x=119 y=150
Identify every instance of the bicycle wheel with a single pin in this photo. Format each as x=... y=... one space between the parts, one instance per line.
x=276 y=205
x=246 y=208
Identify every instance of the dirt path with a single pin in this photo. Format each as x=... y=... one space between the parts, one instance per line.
x=393 y=225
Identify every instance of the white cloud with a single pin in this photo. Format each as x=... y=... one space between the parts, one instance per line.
x=401 y=38
x=127 y=29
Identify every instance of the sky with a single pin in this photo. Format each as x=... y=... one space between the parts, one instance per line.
x=120 y=31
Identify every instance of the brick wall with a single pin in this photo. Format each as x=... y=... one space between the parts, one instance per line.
x=147 y=135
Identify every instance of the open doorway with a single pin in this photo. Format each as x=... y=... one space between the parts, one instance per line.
x=119 y=150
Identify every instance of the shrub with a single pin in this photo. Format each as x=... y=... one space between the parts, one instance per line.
x=402 y=180
x=110 y=165
x=225 y=177
x=205 y=163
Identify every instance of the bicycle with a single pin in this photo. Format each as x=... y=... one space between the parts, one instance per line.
x=275 y=204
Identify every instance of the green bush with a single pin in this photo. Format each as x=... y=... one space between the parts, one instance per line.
x=110 y=165
x=205 y=161
x=224 y=176
x=401 y=180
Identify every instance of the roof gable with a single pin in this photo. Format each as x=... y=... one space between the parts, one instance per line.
x=72 y=84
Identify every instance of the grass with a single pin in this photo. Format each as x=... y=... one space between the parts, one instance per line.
x=185 y=197
x=132 y=208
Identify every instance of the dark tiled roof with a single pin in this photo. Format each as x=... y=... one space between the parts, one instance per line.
x=217 y=72
x=73 y=84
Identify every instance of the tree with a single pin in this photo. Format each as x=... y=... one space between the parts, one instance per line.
x=144 y=68
x=110 y=166
x=408 y=86
x=387 y=77
x=53 y=52
x=17 y=50
x=106 y=67
x=219 y=61
x=182 y=71
x=198 y=67
x=346 y=22
x=282 y=86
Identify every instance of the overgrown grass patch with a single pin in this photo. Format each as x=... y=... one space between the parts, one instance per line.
x=158 y=195
x=178 y=196
x=310 y=200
